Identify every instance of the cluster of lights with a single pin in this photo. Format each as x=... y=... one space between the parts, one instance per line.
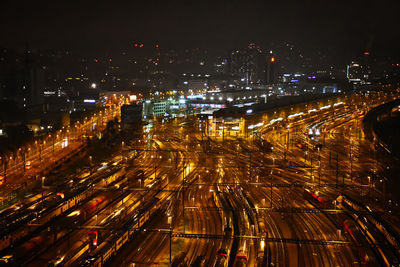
x=275 y=120
x=295 y=115
x=311 y=131
x=325 y=107
x=255 y=125
x=337 y=104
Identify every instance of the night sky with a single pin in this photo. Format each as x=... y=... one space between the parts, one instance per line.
x=342 y=27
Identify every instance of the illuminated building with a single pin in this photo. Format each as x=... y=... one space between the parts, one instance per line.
x=359 y=73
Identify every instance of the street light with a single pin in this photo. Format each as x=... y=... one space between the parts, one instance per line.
x=319 y=165
x=170 y=237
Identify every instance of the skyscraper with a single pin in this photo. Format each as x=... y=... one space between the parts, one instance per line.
x=270 y=73
x=248 y=64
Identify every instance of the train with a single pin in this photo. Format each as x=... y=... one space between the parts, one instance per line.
x=115 y=241
x=223 y=252
x=45 y=213
x=199 y=261
x=364 y=223
x=263 y=250
x=348 y=225
x=95 y=236
x=241 y=258
x=391 y=235
x=314 y=198
x=240 y=246
x=259 y=230
x=10 y=224
x=179 y=260
x=28 y=250
x=83 y=247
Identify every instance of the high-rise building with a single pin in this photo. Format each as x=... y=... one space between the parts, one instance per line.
x=270 y=73
x=221 y=65
x=131 y=116
x=22 y=82
x=248 y=64
x=358 y=73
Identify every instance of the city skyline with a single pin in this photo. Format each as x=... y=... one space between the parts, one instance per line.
x=208 y=133
x=339 y=28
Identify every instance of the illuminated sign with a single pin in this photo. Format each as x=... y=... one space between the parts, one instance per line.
x=89 y=101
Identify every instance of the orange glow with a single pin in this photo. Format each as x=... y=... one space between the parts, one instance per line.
x=366 y=53
x=272 y=59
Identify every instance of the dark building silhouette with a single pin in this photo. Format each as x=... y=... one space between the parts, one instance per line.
x=22 y=80
x=248 y=64
x=131 y=116
x=271 y=69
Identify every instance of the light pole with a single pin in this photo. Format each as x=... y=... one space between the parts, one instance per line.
x=53 y=139
x=183 y=198
x=337 y=169
x=43 y=178
x=22 y=153
x=311 y=165
x=319 y=166
x=170 y=237
x=351 y=162
x=223 y=130
x=4 y=161
x=287 y=138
